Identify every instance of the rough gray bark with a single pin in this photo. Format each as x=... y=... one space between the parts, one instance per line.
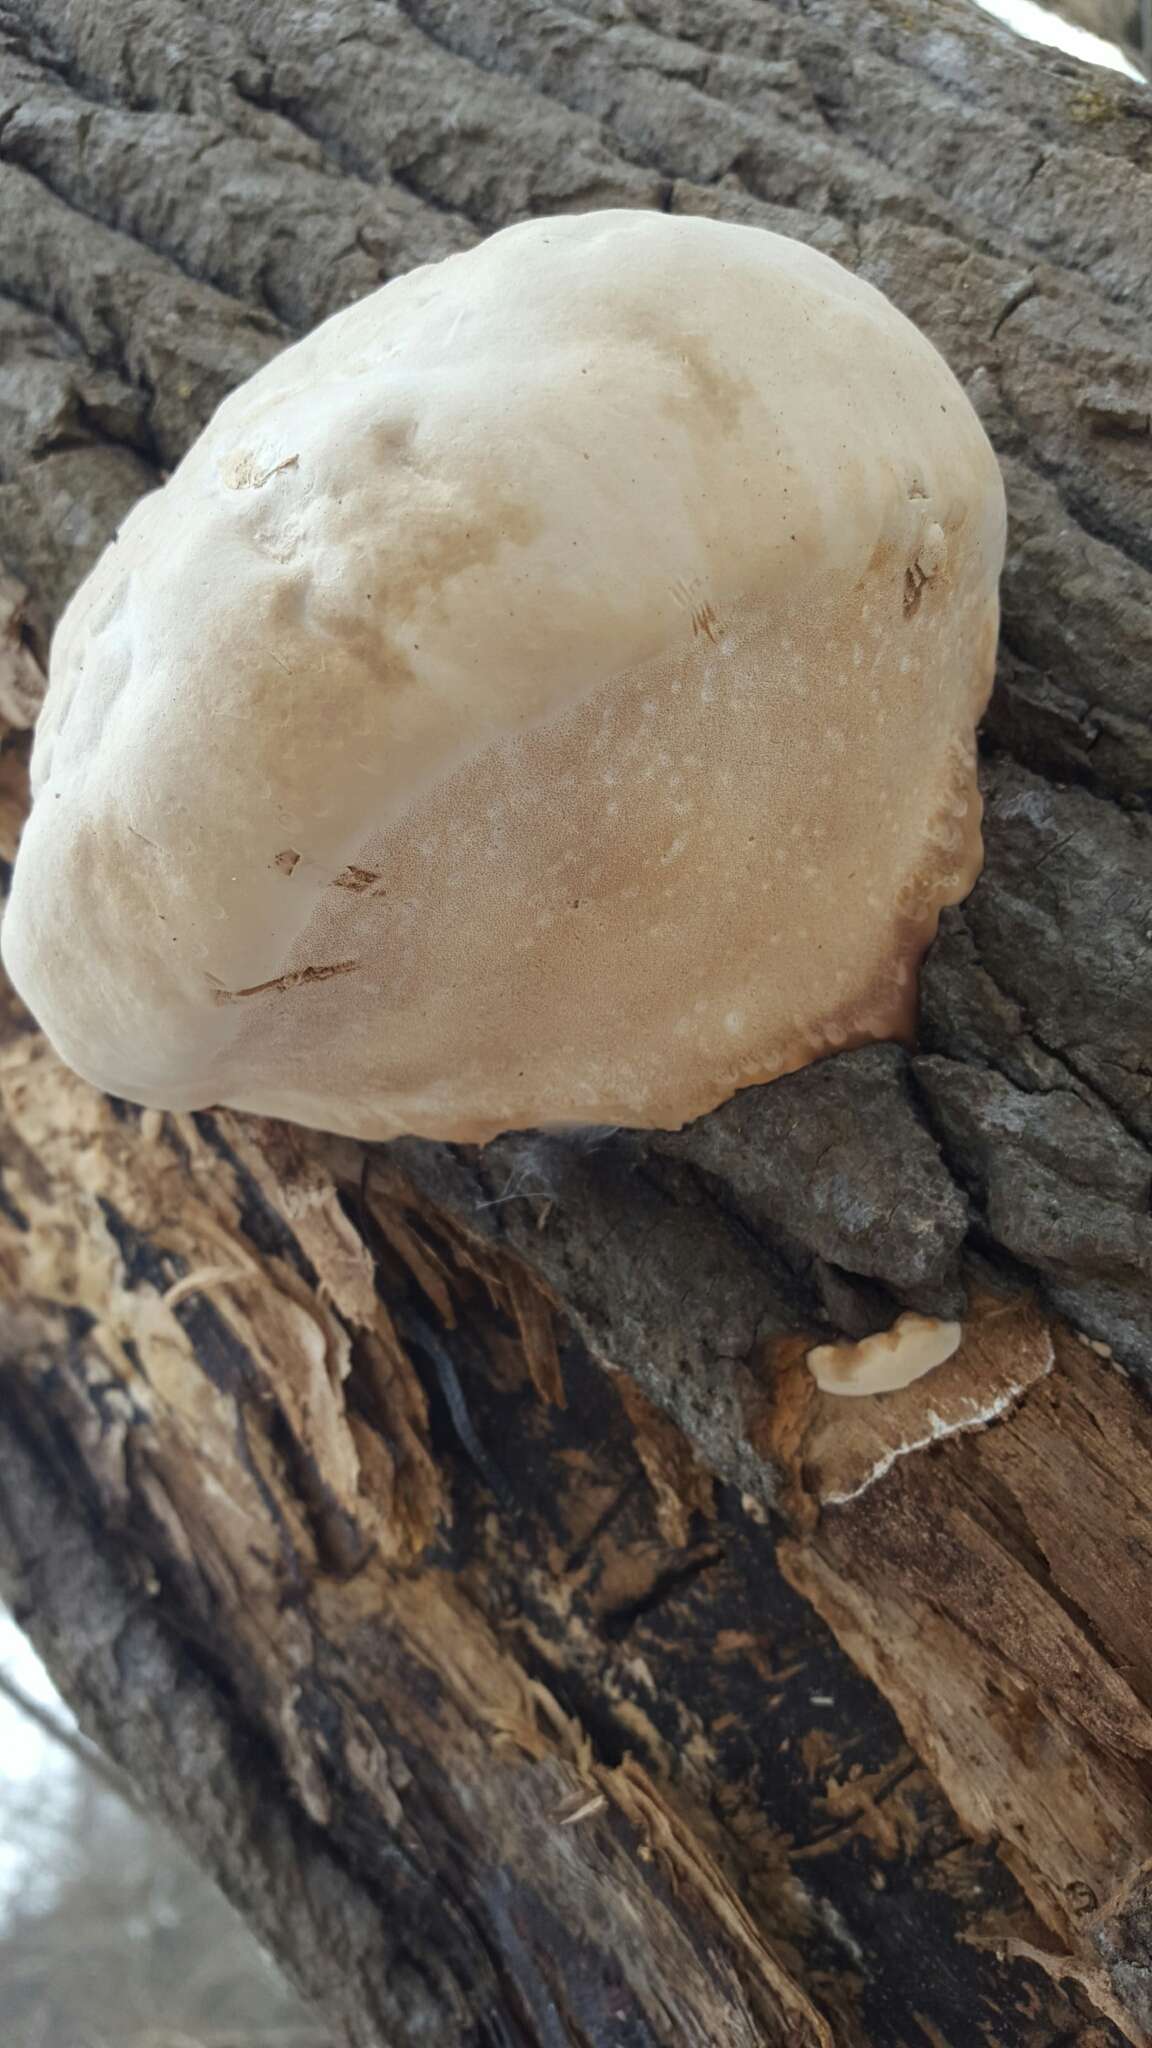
x=182 y=188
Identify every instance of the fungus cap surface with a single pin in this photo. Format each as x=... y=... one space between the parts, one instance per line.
x=887 y=1361
x=544 y=694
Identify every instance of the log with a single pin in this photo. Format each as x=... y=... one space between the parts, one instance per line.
x=452 y=1543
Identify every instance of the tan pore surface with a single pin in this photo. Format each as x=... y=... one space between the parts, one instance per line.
x=545 y=694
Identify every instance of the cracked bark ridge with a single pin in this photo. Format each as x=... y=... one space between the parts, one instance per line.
x=183 y=189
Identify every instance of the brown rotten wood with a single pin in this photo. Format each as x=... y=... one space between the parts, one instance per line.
x=450 y=1542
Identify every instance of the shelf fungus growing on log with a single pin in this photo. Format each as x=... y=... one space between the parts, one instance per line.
x=545 y=694
x=887 y=1361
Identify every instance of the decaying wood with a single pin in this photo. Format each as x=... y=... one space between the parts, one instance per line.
x=498 y=1736
x=1009 y=1578
x=412 y=1522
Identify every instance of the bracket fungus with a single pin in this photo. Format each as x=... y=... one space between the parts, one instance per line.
x=887 y=1361
x=544 y=694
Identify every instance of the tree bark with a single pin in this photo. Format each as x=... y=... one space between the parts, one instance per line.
x=452 y=1543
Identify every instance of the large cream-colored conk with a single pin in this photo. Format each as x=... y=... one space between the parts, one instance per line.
x=545 y=694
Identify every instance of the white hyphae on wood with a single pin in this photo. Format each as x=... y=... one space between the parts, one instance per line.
x=545 y=694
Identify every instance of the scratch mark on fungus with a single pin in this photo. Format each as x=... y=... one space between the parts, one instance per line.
x=704 y=621
x=299 y=978
x=241 y=473
x=356 y=879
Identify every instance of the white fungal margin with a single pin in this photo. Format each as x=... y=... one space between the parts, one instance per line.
x=941 y=1427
